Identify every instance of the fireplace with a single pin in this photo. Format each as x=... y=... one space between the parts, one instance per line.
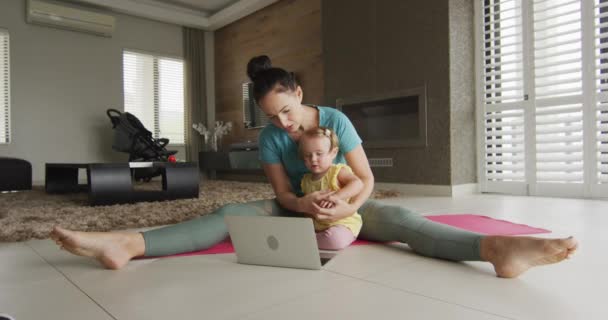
x=389 y=121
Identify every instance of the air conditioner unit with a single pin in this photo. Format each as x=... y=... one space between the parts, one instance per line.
x=70 y=18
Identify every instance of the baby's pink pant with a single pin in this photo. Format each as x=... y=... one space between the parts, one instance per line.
x=335 y=238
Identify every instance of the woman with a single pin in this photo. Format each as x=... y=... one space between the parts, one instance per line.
x=280 y=98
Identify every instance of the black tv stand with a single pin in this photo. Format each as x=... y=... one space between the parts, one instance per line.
x=237 y=161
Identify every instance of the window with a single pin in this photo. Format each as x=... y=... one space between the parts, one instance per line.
x=601 y=72
x=503 y=89
x=5 y=117
x=542 y=107
x=253 y=115
x=154 y=92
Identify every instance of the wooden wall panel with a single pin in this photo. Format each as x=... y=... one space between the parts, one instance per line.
x=380 y=47
x=289 y=32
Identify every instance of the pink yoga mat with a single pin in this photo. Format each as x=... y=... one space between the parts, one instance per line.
x=226 y=247
x=471 y=222
x=485 y=225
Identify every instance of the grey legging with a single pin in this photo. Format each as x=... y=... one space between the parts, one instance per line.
x=380 y=223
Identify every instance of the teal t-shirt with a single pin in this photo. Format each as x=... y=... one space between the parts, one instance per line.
x=277 y=147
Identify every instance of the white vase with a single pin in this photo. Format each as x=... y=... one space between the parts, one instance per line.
x=213 y=143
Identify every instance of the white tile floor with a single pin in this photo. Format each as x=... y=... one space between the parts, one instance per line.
x=38 y=281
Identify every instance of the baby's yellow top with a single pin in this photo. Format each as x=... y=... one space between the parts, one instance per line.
x=330 y=182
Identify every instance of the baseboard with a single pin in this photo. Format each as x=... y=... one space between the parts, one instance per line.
x=466 y=189
x=430 y=190
x=416 y=189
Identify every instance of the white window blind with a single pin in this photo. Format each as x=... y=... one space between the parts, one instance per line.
x=558 y=91
x=247 y=88
x=154 y=92
x=5 y=124
x=254 y=118
x=601 y=84
x=542 y=107
x=503 y=95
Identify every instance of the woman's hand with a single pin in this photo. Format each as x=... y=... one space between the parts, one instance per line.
x=340 y=209
x=310 y=203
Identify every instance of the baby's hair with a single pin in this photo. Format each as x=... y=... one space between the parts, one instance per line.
x=321 y=132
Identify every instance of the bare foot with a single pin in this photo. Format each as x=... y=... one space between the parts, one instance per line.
x=512 y=256
x=112 y=249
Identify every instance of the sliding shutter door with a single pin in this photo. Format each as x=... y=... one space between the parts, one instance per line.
x=558 y=98
x=542 y=79
x=502 y=98
x=600 y=188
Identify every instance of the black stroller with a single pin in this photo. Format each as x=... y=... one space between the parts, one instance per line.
x=132 y=137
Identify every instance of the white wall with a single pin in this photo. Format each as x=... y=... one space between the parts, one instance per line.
x=63 y=81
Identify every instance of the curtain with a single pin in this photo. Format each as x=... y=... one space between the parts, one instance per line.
x=194 y=86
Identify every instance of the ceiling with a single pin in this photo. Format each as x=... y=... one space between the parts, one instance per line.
x=210 y=6
x=203 y=14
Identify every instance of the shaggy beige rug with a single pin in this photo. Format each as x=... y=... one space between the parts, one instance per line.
x=32 y=214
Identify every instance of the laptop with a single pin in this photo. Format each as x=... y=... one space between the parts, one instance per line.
x=276 y=241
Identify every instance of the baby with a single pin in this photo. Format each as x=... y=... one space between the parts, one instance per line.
x=318 y=148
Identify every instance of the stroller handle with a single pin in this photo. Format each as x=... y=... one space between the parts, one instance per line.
x=114 y=118
x=109 y=112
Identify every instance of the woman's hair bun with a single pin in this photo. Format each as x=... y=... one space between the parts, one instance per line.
x=257 y=64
